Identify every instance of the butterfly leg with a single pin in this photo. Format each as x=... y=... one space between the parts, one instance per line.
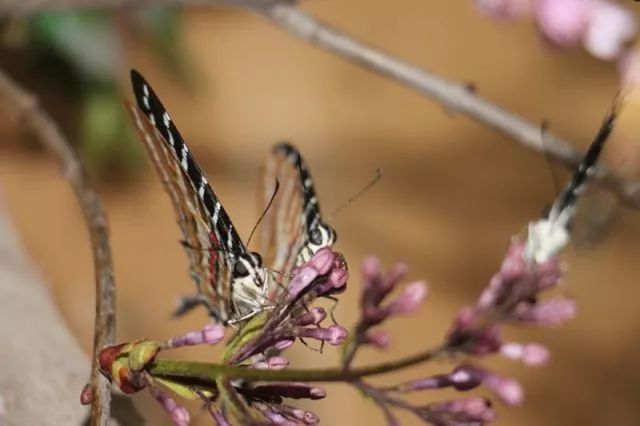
x=332 y=308
x=187 y=303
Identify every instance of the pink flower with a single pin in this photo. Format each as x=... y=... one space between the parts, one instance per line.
x=507 y=389
x=179 y=415
x=463 y=411
x=379 y=338
x=531 y=354
x=409 y=300
x=563 y=22
x=210 y=335
x=611 y=27
x=550 y=313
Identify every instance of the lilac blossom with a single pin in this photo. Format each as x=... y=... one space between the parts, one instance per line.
x=260 y=396
x=179 y=415
x=606 y=29
x=127 y=365
x=376 y=288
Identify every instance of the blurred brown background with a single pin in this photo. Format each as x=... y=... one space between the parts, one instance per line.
x=452 y=195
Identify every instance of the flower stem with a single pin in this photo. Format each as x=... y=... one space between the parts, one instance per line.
x=209 y=372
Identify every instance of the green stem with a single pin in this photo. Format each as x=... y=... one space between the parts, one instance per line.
x=208 y=372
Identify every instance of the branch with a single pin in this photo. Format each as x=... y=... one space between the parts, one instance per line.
x=209 y=373
x=41 y=124
x=453 y=96
x=19 y=8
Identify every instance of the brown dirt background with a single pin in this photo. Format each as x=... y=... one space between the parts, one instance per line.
x=452 y=195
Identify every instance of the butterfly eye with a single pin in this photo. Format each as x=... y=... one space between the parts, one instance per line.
x=240 y=269
x=257 y=259
x=315 y=236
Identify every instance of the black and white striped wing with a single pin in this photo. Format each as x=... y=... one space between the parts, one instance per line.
x=293 y=229
x=218 y=260
x=548 y=235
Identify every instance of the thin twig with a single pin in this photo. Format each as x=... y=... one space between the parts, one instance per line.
x=20 y=8
x=39 y=122
x=453 y=96
x=209 y=372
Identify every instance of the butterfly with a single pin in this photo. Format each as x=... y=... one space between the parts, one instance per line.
x=231 y=281
x=293 y=229
x=548 y=235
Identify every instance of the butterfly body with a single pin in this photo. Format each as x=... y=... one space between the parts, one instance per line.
x=232 y=282
x=547 y=236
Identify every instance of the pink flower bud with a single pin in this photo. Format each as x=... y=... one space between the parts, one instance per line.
x=179 y=414
x=322 y=261
x=410 y=300
x=551 y=313
x=460 y=411
x=313 y=317
x=277 y=363
x=465 y=377
x=507 y=389
x=334 y=335
x=338 y=335
x=273 y=363
x=563 y=22
x=210 y=334
x=283 y=344
x=219 y=418
x=611 y=27
x=379 y=338
x=371 y=271
x=462 y=378
x=302 y=278
x=531 y=354
x=308 y=418
x=86 y=397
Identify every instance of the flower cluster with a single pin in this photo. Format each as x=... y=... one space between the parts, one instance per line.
x=253 y=383
x=606 y=29
x=512 y=297
x=256 y=346
x=376 y=288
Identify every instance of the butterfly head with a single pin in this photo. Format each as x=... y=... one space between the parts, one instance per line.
x=249 y=285
x=321 y=235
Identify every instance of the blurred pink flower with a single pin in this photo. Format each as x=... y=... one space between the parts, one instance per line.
x=611 y=28
x=563 y=22
x=603 y=27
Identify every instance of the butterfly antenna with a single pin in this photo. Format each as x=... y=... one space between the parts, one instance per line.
x=264 y=213
x=351 y=199
x=544 y=140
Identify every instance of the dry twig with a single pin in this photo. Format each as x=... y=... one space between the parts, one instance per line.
x=453 y=96
x=37 y=121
